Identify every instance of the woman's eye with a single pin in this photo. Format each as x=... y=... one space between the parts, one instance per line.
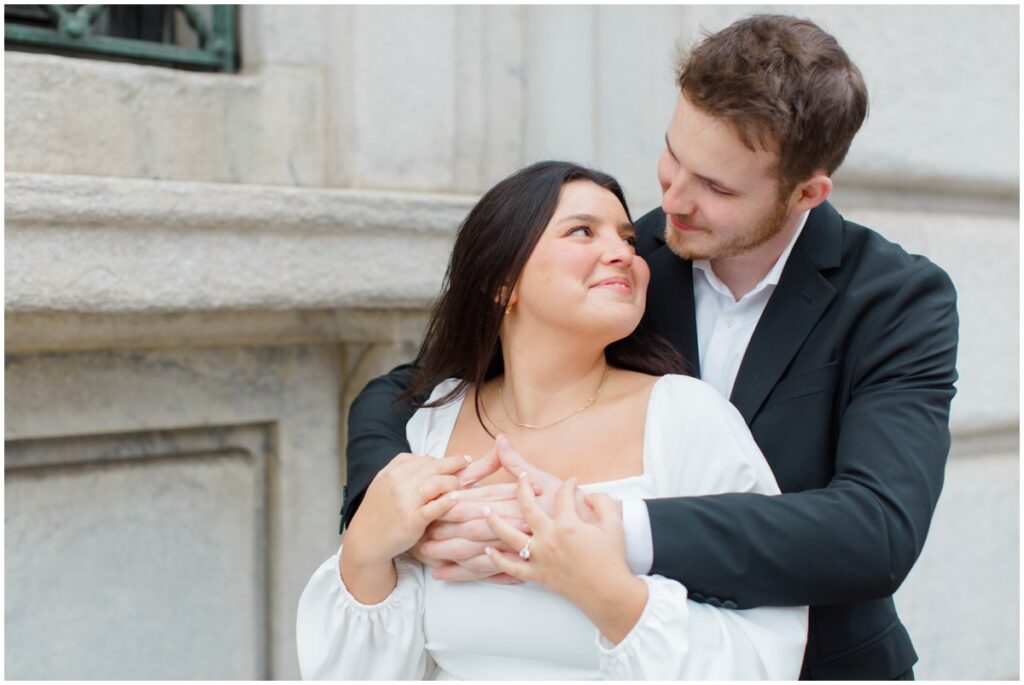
x=580 y=230
x=719 y=191
x=630 y=240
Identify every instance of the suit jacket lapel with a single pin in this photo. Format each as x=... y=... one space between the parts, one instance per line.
x=799 y=300
x=670 y=308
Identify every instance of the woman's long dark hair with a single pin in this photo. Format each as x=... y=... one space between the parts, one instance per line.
x=492 y=247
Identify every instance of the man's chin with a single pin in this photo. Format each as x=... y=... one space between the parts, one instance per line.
x=686 y=249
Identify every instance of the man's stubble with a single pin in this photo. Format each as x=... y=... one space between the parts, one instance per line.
x=733 y=245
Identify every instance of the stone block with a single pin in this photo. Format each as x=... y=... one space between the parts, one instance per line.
x=403 y=89
x=76 y=116
x=283 y=35
x=560 y=102
x=163 y=580
x=204 y=490
x=961 y=601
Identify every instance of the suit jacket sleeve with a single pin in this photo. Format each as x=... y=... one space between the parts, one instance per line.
x=376 y=433
x=857 y=537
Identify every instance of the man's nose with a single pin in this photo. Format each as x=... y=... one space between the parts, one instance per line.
x=678 y=197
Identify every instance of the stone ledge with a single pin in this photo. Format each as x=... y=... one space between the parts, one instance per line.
x=96 y=244
x=57 y=332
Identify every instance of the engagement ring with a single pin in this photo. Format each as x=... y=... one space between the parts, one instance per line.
x=525 y=551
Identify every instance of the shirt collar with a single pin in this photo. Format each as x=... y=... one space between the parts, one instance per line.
x=770 y=279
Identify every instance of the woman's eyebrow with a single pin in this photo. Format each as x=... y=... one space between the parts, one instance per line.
x=590 y=218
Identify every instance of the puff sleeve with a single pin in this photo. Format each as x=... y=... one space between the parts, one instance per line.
x=340 y=638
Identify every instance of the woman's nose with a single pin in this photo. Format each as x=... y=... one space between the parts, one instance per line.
x=618 y=251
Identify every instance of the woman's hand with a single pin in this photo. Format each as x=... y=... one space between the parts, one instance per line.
x=582 y=561
x=403 y=499
x=453 y=546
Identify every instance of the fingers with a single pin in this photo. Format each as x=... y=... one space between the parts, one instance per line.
x=435 y=486
x=419 y=556
x=565 y=500
x=451 y=572
x=510 y=564
x=607 y=509
x=477 y=529
x=495 y=492
x=512 y=461
x=532 y=512
x=480 y=469
x=514 y=538
x=478 y=568
x=450 y=465
x=502 y=579
x=436 y=507
x=459 y=550
x=467 y=511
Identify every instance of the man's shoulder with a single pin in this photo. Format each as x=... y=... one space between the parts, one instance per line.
x=861 y=253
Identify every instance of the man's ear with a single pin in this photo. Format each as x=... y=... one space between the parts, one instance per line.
x=812 y=192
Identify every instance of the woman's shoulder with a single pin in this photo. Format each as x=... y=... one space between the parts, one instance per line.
x=443 y=388
x=676 y=388
x=429 y=428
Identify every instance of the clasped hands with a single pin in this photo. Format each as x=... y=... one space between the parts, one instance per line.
x=480 y=536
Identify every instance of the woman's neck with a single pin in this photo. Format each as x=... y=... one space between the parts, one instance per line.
x=547 y=379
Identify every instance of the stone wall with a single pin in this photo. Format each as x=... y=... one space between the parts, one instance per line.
x=202 y=270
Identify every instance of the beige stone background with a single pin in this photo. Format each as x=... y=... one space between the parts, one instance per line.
x=201 y=270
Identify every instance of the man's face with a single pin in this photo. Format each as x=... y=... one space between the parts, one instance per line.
x=720 y=198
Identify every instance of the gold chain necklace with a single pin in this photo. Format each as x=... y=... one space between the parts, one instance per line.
x=586 y=406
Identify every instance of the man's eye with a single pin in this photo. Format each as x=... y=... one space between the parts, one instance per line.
x=719 y=191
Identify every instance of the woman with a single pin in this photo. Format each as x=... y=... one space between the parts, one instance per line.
x=535 y=340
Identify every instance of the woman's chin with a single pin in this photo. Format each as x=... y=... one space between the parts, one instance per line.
x=610 y=331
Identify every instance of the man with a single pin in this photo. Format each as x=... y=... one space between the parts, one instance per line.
x=837 y=347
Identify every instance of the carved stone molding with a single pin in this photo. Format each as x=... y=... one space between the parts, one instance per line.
x=119 y=546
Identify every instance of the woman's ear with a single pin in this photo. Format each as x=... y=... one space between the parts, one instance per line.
x=504 y=295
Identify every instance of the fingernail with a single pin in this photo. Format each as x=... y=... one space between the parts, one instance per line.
x=476 y=485
x=487 y=511
x=467 y=458
x=488 y=550
x=522 y=474
x=454 y=495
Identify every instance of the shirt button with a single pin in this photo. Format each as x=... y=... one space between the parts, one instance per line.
x=729 y=322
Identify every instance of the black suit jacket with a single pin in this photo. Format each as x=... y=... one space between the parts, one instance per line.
x=846 y=386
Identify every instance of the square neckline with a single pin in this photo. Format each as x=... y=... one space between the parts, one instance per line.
x=450 y=414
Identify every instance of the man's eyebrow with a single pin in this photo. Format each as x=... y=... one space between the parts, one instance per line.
x=590 y=218
x=706 y=179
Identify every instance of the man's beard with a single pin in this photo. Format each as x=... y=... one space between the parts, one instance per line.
x=767 y=229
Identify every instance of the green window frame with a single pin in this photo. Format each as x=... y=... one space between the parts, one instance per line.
x=74 y=35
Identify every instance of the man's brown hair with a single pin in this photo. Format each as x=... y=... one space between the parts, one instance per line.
x=785 y=85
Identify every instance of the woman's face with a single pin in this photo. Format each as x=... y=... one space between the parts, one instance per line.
x=584 y=275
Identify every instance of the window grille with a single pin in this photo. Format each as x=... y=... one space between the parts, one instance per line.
x=186 y=36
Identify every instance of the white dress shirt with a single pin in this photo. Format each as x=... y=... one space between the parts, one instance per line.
x=724 y=328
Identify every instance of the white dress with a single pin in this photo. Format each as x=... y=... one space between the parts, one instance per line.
x=695 y=443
